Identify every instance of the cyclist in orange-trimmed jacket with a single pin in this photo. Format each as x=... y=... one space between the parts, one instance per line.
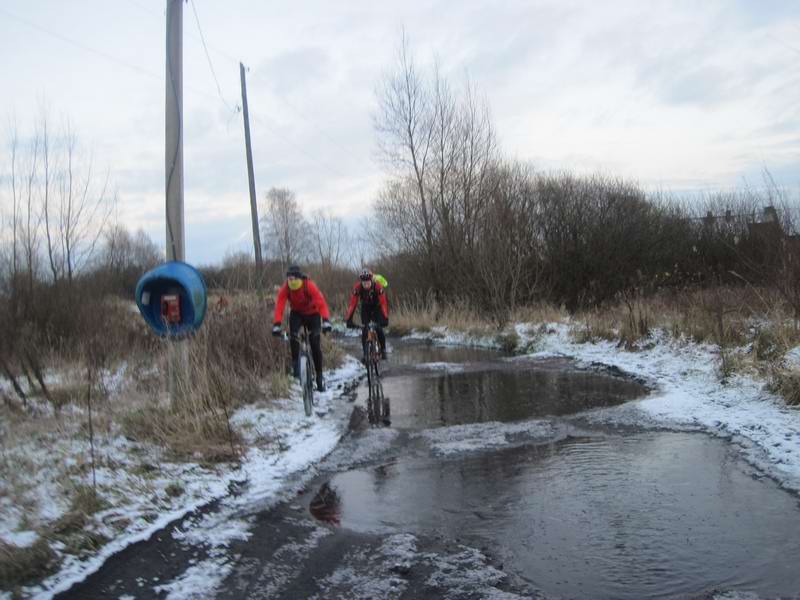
x=374 y=307
x=307 y=307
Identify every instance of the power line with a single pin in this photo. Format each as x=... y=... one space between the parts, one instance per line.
x=160 y=14
x=328 y=167
x=83 y=47
x=784 y=44
x=210 y=63
x=143 y=71
x=100 y=53
x=304 y=116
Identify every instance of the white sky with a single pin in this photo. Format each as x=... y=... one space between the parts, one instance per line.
x=677 y=95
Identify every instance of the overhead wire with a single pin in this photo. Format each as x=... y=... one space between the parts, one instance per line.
x=325 y=165
x=152 y=11
x=235 y=108
x=80 y=45
x=304 y=116
x=270 y=126
x=146 y=72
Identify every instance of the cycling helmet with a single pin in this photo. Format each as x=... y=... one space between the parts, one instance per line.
x=294 y=271
x=366 y=275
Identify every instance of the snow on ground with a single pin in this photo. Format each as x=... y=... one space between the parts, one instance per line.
x=441 y=366
x=282 y=443
x=367 y=573
x=368 y=446
x=203 y=577
x=444 y=336
x=458 y=439
x=687 y=394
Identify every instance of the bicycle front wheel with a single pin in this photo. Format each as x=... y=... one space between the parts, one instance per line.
x=306 y=381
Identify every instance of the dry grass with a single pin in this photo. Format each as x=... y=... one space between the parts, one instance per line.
x=21 y=566
x=752 y=327
x=423 y=313
x=228 y=362
x=786 y=383
x=332 y=353
x=539 y=313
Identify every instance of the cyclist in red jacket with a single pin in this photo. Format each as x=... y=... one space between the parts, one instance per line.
x=374 y=307
x=307 y=307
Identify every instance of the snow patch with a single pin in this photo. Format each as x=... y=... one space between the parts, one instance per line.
x=442 y=366
x=688 y=394
x=361 y=448
x=198 y=581
x=283 y=444
x=20 y=539
x=458 y=439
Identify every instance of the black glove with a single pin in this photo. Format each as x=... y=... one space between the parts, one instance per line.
x=276 y=330
x=349 y=323
x=326 y=326
x=384 y=321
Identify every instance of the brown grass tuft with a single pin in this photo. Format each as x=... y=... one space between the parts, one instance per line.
x=786 y=383
x=21 y=566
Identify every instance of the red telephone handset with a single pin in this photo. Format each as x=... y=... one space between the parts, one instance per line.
x=171 y=308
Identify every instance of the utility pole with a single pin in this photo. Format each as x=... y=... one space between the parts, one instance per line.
x=178 y=356
x=174 y=131
x=250 y=174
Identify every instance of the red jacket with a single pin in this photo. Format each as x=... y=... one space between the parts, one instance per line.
x=375 y=294
x=308 y=300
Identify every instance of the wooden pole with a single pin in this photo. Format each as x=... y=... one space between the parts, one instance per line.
x=178 y=356
x=174 y=131
x=250 y=174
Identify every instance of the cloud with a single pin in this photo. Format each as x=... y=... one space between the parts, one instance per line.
x=296 y=69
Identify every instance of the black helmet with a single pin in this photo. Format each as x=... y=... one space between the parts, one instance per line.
x=366 y=275
x=294 y=271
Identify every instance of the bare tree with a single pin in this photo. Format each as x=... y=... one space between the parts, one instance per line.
x=13 y=220
x=404 y=124
x=76 y=207
x=330 y=238
x=30 y=221
x=285 y=232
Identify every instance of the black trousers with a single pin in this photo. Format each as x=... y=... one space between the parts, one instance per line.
x=314 y=325
x=372 y=313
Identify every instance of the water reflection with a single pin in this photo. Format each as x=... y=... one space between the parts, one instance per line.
x=326 y=506
x=378 y=407
x=502 y=393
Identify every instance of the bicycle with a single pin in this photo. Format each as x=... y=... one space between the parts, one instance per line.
x=378 y=405
x=306 y=370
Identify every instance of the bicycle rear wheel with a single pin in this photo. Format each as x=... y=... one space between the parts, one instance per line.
x=374 y=380
x=370 y=378
x=305 y=378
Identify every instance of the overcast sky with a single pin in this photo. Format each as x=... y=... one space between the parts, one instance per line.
x=676 y=95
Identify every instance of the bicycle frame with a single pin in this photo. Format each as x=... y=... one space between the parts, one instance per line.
x=306 y=367
x=378 y=405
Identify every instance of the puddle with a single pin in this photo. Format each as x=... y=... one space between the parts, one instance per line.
x=577 y=513
x=430 y=386
x=651 y=515
x=500 y=395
